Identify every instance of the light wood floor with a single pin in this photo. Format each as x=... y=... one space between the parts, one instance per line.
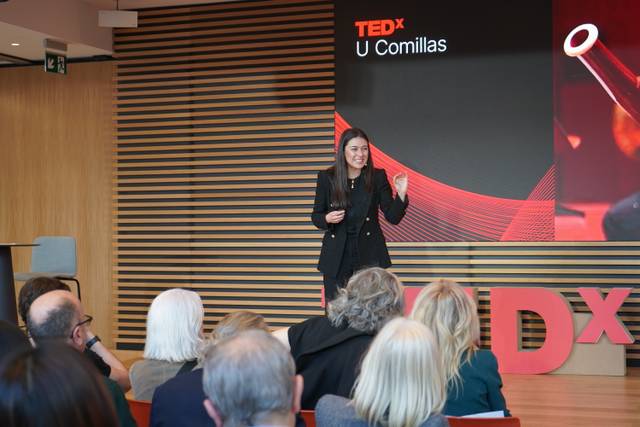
x=558 y=400
x=574 y=400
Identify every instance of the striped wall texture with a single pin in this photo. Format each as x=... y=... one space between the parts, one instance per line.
x=224 y=115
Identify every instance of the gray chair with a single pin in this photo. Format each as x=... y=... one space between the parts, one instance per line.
x=55 y=256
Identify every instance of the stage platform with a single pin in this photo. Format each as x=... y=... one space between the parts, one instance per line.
x=557 y=400
x=574 y=400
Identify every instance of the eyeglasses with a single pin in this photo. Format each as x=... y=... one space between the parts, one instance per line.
x=85 y=321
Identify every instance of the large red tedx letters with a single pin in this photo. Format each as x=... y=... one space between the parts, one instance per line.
x=604 y=316
x=506 y=305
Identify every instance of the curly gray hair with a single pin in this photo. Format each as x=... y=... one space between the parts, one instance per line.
x=371 y=298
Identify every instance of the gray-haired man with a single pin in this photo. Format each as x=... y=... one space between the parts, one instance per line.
x=250 y=380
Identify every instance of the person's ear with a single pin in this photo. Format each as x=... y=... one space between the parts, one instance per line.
x=77 y=337
x=298 y=387
x=213 y=412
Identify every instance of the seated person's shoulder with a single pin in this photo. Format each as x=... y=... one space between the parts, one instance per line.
x=178 y=396
x=330 y=403
x=334 y=410
x=307 y=329
x=192 y=379
x=437 y=420
x=312 y=323
x=137 y=366
x=485 y=358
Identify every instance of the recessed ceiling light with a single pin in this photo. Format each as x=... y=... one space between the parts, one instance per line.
x=15 y=44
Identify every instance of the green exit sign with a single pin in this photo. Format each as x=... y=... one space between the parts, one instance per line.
x=55 y=63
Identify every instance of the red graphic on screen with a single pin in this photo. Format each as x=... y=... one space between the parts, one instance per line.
x=597 y=102
x=618 y=81
x=439 y=212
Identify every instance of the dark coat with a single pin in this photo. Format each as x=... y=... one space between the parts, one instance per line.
x=178 y=402
x=372 y=249
x=327 y=357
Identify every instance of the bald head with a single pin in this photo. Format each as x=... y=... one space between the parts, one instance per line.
x=54 y=315
x=35 y=287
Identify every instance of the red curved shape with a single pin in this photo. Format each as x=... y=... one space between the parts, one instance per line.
x=439 y=212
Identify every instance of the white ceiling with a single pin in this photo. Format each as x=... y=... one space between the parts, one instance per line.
x=30 y=22
x=144 y=4
x=32 y=44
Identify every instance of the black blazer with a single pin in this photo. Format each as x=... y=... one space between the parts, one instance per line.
x=372 y=249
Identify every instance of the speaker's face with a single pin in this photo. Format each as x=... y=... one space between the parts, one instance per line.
x=356 y=153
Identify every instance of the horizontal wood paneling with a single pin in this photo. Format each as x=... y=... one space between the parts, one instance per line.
x=223 y=115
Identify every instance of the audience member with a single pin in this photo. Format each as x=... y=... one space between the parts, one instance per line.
x=400 y=384
x=174 y=340
x=59 y=316
x=178 y=402
x=473 y=381
x=238 y=321
x=328 y=349
x=105 y=361
x=35 y=287
x=11 y=339
x=54 y=386
x=250 y=380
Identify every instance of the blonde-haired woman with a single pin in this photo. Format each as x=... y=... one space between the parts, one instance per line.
x=400 y=384
x=236 y=322
x=174 y=341
x=473 y=381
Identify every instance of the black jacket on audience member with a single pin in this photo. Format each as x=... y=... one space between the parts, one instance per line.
x=328 y=358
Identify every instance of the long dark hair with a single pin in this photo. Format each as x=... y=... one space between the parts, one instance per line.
x=53 y=385
x=338 y=173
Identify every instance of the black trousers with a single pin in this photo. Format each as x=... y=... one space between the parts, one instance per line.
x=348 y=265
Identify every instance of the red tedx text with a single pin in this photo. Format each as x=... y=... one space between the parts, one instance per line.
x=379 y=27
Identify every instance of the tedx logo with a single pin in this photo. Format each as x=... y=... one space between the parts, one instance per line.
x=379 y=27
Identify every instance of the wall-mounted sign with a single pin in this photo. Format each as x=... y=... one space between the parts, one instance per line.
x=55 y=63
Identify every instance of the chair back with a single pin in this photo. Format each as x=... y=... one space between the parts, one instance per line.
x=141 y=411
x=55 y=254
x=483 y=422
x=309 y=417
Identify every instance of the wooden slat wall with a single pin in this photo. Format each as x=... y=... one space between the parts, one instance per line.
x=224 y=115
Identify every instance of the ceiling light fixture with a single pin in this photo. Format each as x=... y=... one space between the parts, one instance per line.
x=15 y=44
